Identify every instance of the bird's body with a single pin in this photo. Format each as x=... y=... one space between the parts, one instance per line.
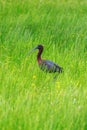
x=46 y=65
x=50 y=66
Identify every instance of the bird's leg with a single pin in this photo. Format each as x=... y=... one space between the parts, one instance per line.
x=56 y=76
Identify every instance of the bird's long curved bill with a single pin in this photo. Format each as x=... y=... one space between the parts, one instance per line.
x=31 y=51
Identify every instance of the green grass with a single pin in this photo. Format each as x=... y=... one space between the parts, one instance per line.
x=30 y=99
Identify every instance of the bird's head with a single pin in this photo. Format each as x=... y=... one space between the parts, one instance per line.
x=40 y=47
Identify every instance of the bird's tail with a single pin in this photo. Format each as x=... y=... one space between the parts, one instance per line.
x=60 y=70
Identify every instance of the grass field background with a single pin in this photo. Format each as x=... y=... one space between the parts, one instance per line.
x=30 y=99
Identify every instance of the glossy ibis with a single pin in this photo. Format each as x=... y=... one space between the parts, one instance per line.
x=46 y=65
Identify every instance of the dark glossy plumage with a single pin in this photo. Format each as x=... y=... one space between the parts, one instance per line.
x=50 y=66
x=46 y=65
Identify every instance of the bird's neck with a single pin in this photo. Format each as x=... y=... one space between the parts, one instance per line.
x=39 y=56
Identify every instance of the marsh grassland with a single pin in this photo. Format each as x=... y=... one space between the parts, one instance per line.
x=30 y=99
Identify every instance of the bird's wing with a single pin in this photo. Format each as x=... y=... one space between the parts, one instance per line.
x=50 y=63
x=52 y=66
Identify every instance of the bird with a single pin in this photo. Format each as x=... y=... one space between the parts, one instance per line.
x=46 y=65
